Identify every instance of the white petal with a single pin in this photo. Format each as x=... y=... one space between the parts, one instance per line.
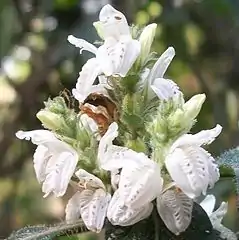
x=129 y=56
x=217 y=216
x=40 y=159
x=140 y=181
x=161 y=65
x=106 y=57
x=89 y=123
x=165 y=88
x=201 y=138
x=175 y=209
x=45 y=138
x=188 y=167
x=115 y=178
x=82 y=44
x=91 y=179
x=59 y=170
x=213 y=171
x=73 y=208
x=120 y=214
x=103 y=80
x=208 y=204
x=116 y=157
x=114 y=23
x=208 y=136
x=107 y=140
x=37 y=136
x=94 y=205
x=54 y=161
x=87 y=76
x=117 y=57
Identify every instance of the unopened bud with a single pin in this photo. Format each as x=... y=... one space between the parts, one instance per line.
x=146 y=39
x=193 y=106
x=99 y=28
x=51 y=121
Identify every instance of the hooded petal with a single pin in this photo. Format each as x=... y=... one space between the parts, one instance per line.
x=82 y=44
x=140 y=181
x=94 y=206
x=87 y=76
x=208 y=204
x=54 y=161
x=175 y=209
x=120 y=214
x=188 y=167
x=165 y=88
x=161 y=65
x=114 y=23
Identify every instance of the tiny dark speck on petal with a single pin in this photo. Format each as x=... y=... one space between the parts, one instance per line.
x=118 y=18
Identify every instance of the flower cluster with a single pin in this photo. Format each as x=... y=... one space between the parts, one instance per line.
x=128 y=148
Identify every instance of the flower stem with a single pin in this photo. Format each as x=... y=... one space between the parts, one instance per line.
x=156 y=224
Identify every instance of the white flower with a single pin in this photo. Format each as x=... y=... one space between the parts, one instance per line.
x=190 y=166
x=114 y=57
x=90 y=202
x=54 y=161
x=156 y=84
x=140 y=179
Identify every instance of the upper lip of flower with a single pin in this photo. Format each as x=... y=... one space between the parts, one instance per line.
x=48 y=162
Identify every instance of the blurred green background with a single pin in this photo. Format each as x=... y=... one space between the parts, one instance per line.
x=38 y=62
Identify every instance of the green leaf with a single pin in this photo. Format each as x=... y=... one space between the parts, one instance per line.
x=229 y=165
x=43 y=232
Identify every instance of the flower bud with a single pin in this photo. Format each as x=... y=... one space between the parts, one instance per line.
x=146 y=38
x=56 y=105
x=50 y=120
x=99 y=29
x=193 y=106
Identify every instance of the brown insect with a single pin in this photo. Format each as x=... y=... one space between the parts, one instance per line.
x=70 y=101
x=101 y=109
